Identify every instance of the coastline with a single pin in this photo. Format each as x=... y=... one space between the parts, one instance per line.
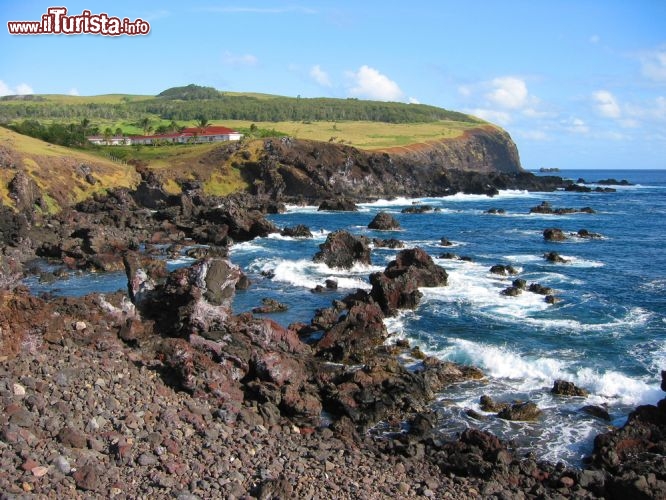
x=476 y=465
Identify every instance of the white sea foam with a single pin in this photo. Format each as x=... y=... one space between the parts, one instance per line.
x=246 y=246
x=301 y=208
x=307 y=274
x=396 y=202
x=529 y=373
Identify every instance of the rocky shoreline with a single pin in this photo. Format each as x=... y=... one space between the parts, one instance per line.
x=165 y=392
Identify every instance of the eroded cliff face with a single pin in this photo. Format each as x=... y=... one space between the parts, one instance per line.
x=482 y=160
x=484 y=149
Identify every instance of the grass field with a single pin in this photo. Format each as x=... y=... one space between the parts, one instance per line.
x=58 y=170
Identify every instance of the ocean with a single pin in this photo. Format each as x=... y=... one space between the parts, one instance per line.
x=607 y=333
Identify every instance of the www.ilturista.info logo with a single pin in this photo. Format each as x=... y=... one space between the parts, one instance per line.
x=57 y=22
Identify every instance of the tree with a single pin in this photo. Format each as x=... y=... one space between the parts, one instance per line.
x=108 y=133
x=144 y=123
x=202 y=123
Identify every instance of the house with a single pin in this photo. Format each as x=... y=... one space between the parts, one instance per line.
x=117 y=140
x=196 y=135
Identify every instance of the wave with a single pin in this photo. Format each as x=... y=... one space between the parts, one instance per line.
x=522 y=372
x=307 y=274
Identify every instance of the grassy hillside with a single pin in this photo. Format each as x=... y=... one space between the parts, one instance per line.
x=59 y=172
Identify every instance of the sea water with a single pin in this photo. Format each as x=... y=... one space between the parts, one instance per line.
x=607 y=334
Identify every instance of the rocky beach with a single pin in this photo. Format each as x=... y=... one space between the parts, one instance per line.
x=164 y=391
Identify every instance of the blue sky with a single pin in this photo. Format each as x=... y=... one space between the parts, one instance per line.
x=578 y=84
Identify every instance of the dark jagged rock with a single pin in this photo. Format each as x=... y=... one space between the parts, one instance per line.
x=489 y=405
x=417 y=209
x=338 y=205
x=496 y=211
x=521 y=412
x=555 y=258
x=564 y=388
x=554 y=234
x=584 y=233
x=299 y=231
x=388 y=243
x=540 y=289
x=520 y=283
x=512 y=291
x=270 y=306
x=614 y=182
x=384 y=221
x=354 y=335
x=25 y=192
x=397 y=287
x=342 y=250
x=546 y=208
x=445 y=242
x=503 y=270
x=597 y=411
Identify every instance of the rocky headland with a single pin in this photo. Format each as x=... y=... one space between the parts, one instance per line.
x=165 y=392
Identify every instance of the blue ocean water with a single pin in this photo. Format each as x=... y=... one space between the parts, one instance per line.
x=607 y=334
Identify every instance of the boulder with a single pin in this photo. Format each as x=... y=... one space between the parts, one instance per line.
x=354 y=335
x=584 y=233
x=555 y=258
x=540 y=289
x=270 y=306
x=397 y=287
x=564 y=388
x=417 y=209
x=338 y=205
x=445 y=242
x=520 y=411
x=488 y=404
x=298 y=231
x=554 y=234
x=384 y=221
x=388 y=243
x=503 y=270
x=342 y=250
x=25 y=193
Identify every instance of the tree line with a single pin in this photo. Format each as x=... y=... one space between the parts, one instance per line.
x=233 y=107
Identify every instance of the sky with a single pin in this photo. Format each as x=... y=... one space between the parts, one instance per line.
x=577 y=83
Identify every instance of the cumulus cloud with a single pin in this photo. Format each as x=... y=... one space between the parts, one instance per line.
x=653 y=65
x=20 y=89
x=73 y=91
x=320 y=76
x=413 y=100
x=492 y=115
x=231 y=59
x=577 y=126
x=606 y=104
x=371 y=84
x=508 y=92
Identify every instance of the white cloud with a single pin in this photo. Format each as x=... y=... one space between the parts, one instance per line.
x=320 y=76
x=370 y=83
x=509 y=92
x=606 y=104
x=4 y=89
x=491 y=115
x=24 y=89
x=21 y=89
x=577 y=126
x=73 y=91
x=595 y=39
x=654 y=65
x=239 y=60
x=413 y=100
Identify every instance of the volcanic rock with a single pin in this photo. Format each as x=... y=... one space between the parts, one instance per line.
x=342 y=250
x=520 y=411
x=338 y=205
x=564 y=388
x=384 y=221
x=554 y=234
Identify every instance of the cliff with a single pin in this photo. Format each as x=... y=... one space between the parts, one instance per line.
x=481 y=160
